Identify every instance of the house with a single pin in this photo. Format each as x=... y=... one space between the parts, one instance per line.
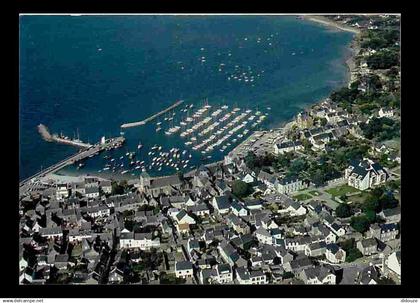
x=368 y=276
x=254 y=277
x=247 y=177
x=289 y=185
x=207 y=275
x=367 y=246
x=287 y=146
x=224 y=273
x=384 y=232
x=393 y=262
x=263 y=236
x=51 y=233
x=183 y=269
x=335 y=254
x=142 y=241
x=365 y=174
x=318 y=275
x=162 y=185
x=61 y=191
x=268 y=179
x=237 y=224
x=254 y=204
x=200 y=210
x=316 y=249
x=293 y=208
x=228 y=253
x=183 y=218
x=238 y=209
x=105 y=186
x=304 y=120
x=337 y=229
x=116 y=275
x=79 y=187
x=221 y=204
x=385 y=112
x=391 y=215
x=92 y=192
x=297 y=265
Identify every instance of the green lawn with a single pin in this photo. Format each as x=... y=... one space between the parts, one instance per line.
x=302 y=197
x=358 y=199
x=341 y=190
x=314 y=193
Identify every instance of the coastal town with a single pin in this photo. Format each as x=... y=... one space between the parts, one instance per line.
x=315 y=201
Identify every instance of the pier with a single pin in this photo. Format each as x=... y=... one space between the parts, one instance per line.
x=82 y=154
x=43 y=130
x=143 y=122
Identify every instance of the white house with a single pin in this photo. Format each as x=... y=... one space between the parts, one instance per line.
x=287 y=146
x=243 y=276
x=221 y=204
x=263 y=236
x=92 y=192
x=335 y=254
x=293 y=208
x=61 y=191
x=183 y=269
x=385 y=112
x=289 y=185
x=238 y=209
x=224 y=273
x=141 y=241
x=200 y=210
x=183 y=218
x=318 y=275
x=365 y=174
x=106 y=186
x=393 y=262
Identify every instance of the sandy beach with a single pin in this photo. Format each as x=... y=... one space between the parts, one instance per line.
x=328 y=22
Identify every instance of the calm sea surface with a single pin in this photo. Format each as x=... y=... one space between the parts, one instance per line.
x=92 y=73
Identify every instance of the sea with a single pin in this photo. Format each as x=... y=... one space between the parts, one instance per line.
x=84 y=76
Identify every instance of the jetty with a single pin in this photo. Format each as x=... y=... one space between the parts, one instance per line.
x=80 y=155
x=143 y=122
x=43 y=130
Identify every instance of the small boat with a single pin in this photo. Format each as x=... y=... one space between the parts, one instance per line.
x=139 y=146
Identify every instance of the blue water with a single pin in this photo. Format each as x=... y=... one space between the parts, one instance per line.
x=93 y=73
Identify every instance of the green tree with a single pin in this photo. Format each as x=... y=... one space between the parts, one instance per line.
x=360 y=223
x=353 y=254
x=343 y=211
x=370 y=216
x=241 y=189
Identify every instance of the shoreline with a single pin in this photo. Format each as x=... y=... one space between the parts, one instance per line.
x=330 y=23
x=349 y=60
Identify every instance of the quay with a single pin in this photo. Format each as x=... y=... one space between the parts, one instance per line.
x=143 y=122
x=43 y=130
x=82 y=154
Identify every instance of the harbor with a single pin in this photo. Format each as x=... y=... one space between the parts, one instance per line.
x=111 y=143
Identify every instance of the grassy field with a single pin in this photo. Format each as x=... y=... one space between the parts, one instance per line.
x=314 y=193
x=341 y=190
x=302 y=197
x=358 y=199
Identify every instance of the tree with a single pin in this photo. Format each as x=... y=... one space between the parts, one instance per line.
x=241 y=189
x=371 y=204
x=353 y=254
x=343 y=211
x=360 y=223
x=370 y=216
